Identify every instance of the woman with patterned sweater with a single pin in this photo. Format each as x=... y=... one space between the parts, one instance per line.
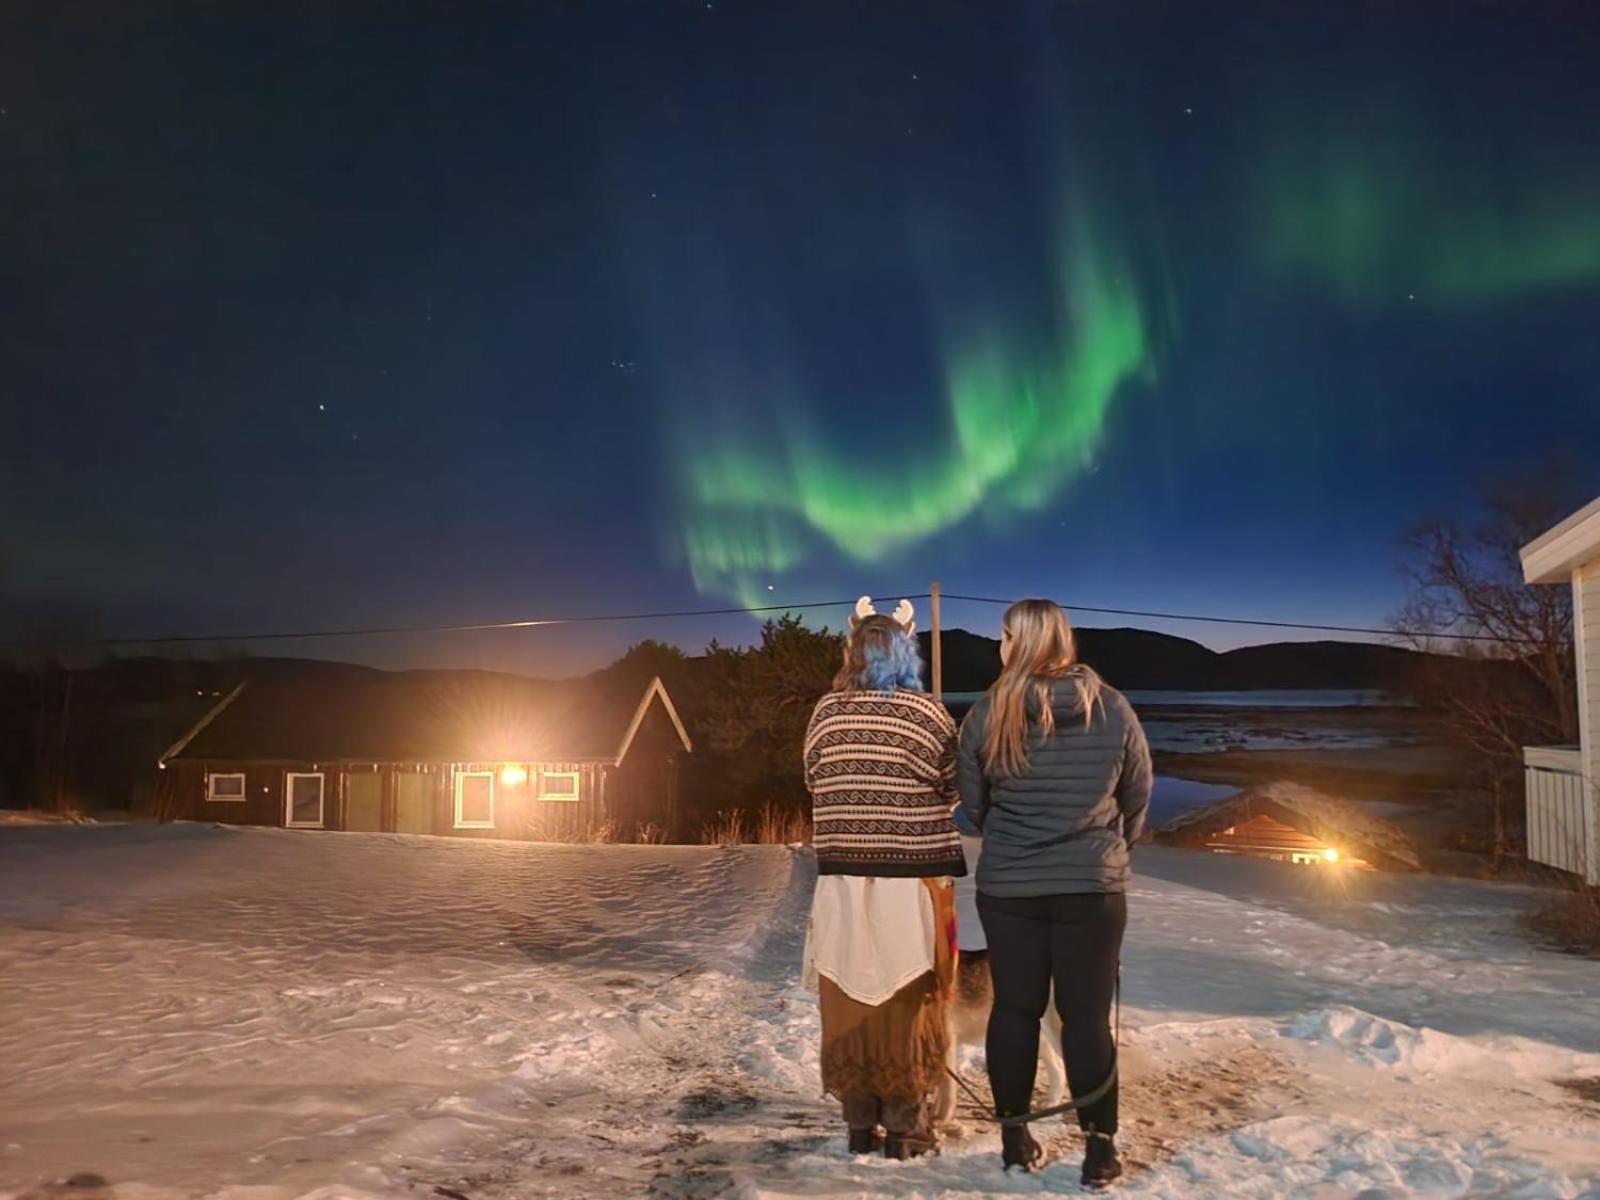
x=880 y=765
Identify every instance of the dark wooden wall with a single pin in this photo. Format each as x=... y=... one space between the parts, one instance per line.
x=617 y=803
x=263 y=789
x=517 y=810
x=644 y=789
x=519 y=813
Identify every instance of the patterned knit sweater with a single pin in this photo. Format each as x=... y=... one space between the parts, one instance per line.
x=881 y=770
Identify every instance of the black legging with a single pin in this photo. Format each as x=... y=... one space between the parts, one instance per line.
x=1076 y=942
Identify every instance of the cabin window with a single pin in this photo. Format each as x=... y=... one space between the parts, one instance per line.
x=558 y=785
x=303 y=800
x=225 y=788
x=475 y=800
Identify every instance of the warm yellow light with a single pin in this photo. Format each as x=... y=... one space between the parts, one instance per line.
x=513 y=776
x=1331 y=854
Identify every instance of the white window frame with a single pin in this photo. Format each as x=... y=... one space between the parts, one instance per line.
x=561 y=797
x=461 y=775
x=288 y=800
x=211 y=787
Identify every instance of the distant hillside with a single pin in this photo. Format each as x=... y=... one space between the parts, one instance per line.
x=1138 y=659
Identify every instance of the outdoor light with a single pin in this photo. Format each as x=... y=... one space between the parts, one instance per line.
x=1331 y=854
x=513 y=776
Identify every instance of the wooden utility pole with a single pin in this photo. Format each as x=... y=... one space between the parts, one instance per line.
x=934 y=641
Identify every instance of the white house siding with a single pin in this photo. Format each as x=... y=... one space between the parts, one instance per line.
x=1586 y=612
x=1568 y=555
x=1561 y=808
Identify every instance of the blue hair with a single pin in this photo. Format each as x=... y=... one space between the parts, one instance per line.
x=897 y=664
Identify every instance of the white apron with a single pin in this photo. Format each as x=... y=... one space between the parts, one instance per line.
x=871 y=936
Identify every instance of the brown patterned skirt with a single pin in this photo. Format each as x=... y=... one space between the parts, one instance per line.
x=894 y=1050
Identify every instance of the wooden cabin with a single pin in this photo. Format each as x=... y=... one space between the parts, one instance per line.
x=477 y=755
x=1563 y=782
x=1293 y=824
x=1261 y=836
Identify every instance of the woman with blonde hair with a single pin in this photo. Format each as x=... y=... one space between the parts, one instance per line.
x=1055 y=771
x=880 y=765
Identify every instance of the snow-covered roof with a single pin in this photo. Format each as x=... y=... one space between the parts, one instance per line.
x=1333 y=821
x=1553 y=556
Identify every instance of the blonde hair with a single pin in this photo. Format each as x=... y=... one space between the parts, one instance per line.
x=1043 y=650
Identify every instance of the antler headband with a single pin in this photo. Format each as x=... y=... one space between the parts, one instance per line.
x=903 y=613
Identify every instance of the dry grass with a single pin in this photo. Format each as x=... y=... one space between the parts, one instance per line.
x=782 y=827
x=772 y=826
x=648 y=833
x=727 y=829
x=1570 y=921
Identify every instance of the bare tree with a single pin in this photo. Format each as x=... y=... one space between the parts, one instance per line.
x=45 y=639
x=1514 y=684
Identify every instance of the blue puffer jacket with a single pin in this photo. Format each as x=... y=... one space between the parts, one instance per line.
x=1066 y=822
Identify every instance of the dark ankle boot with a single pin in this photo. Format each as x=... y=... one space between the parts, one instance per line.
x=864 y=1141
x=1018 y=1149
x=1101 y=1167
x=907 y=1145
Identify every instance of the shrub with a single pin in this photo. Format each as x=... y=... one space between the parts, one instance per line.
x=1569 y=921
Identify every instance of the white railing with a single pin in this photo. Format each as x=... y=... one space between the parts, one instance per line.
x=1561 y=816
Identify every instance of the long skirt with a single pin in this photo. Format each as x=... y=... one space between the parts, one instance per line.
x=894 y=1052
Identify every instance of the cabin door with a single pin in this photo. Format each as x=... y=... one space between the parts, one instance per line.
x=363 y=802
x=303 y=793
x=412 y=790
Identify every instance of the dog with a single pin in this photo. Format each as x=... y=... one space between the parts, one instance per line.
x=967 y=1022
x=967 y=1013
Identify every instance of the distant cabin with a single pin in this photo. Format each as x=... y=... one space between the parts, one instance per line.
x=459 y=755
x=1563 y=782
x=1294 y=824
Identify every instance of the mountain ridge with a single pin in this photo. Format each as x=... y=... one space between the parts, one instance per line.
x=1139 y=659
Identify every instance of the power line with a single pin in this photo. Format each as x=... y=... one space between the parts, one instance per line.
x=671 y=614
x=529 y=623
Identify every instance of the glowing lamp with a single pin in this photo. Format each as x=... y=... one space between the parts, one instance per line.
x=513 y=776
x=1331 y=854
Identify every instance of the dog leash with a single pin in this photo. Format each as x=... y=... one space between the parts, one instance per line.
x=1077 y=1102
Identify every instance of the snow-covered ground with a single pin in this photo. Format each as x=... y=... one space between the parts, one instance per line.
x=35 y=816
x=265 y=1014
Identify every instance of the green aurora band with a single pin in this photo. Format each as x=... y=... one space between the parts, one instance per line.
x=1022 y=417
x=1378 y=205
x=1383 y=219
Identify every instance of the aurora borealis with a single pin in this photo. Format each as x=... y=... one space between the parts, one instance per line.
x=1380 y=220
x=1019 y=418
x=333 y=318
x=1369 y=202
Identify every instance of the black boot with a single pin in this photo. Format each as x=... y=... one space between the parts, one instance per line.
x=1101 y=1167
x=908 y=1145
x=865 y=1141
x=1018 y=1149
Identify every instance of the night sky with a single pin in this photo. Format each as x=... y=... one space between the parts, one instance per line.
x=342 y=314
